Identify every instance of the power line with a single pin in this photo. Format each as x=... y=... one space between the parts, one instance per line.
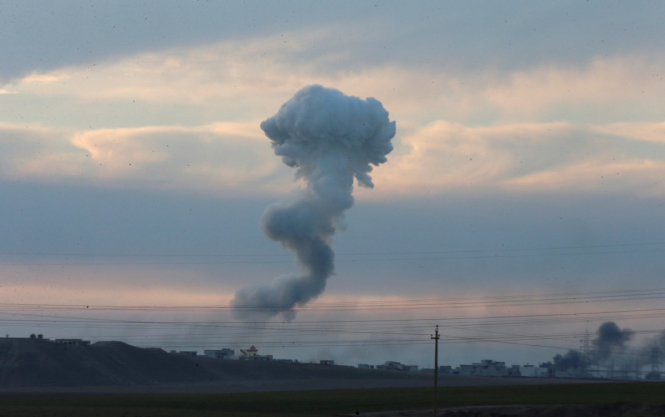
x=108 y=254
x=390 y=259
x=410 y=304
x=264 y=326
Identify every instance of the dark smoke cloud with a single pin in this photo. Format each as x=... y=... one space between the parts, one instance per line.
x=573 y=359
x=612 y=355
x=653 y=350
x=330 y=138
x=610 y=340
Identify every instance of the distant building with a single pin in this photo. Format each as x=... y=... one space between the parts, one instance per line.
x=488 y=367
x=390 y=366
x=286 y=360
x=396 y=366
x=188 y=352
x=534 y=371
x=77 y=342
x=255 y=358
x=365 y=366
x=445 y=370
x=327 y=362
x=219 y=353
x=249 y=352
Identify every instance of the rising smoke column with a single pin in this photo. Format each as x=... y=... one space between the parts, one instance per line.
x=330 y=139
x=611 y=339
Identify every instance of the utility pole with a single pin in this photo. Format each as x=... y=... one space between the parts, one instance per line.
x=436 y=365
x=585 y=347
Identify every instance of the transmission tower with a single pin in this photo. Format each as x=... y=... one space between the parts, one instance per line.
x=585 y=347
x=656 y=359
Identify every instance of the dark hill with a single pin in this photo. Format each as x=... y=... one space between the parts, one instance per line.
x=35 y=362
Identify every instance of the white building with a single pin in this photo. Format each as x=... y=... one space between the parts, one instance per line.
x=219 y=353
x=487 y=367
x=534 y=371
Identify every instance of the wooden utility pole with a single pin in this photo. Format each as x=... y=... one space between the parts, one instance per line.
x=436 y=365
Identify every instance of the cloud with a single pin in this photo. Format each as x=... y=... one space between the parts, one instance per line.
x=214 y=158
x=525 y=157
x=652 y=132
x=633 y=84
x=243 y=79
x=452 y=35
x=436 y=158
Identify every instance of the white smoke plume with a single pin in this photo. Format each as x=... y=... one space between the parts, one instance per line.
x=330 y=138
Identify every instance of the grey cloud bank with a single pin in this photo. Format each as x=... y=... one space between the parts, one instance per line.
x=43 y=36
x=331 y=139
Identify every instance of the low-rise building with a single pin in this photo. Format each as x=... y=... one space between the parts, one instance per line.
x=77 y=342
x=396 y=366
x=327 y=362
x=487 y=367
x=219 y=353
x=255 y=358
x=446 y=370
x=249 y=352
x=252 y=354
x=365 y=366
x=534 y=371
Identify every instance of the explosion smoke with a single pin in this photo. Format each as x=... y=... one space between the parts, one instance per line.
x=330 y=138
x=573 y=359
x=610 y=340
x=608 y=346
x=612 y=357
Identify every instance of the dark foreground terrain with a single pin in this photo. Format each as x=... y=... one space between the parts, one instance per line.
x=573 y=400
x=41 y=378
x=621 y=409
x=26 y=363
x=41 y=366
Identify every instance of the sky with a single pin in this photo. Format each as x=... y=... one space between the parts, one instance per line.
x=528 y=161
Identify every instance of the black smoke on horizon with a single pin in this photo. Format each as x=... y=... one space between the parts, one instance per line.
x=611 y=348
x=573 y=359
x=330 y=138
x=610 y=341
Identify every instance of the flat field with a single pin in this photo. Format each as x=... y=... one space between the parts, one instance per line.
x=321 y=403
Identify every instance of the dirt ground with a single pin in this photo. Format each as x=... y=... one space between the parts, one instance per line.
x=292 y=385
x=603 y=410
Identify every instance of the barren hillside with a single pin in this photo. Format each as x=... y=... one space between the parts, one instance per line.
x=35 y=362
